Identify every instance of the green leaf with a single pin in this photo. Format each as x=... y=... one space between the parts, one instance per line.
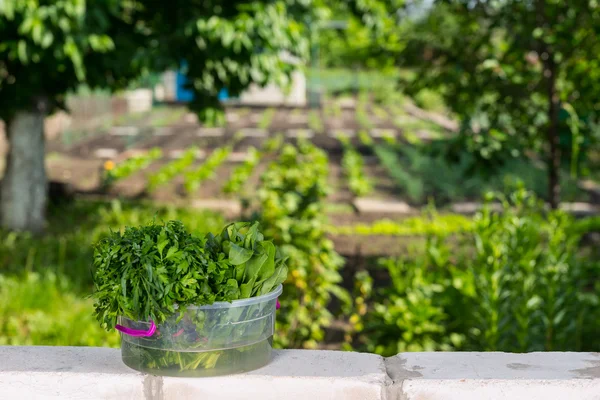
x=239 y=255
x=172 y=252
x=161 y=246
x=238 y=272
x=246 y=289
x=278 y=277
x=47 y=39
x=254 y=267
x=124 y=285
x=22 y=52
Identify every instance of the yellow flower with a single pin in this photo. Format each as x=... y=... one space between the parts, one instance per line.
x=109 y=165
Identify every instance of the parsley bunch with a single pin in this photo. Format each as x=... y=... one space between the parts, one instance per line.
x=146 y=272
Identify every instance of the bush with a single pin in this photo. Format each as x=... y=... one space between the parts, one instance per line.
x=292 y=197
x=514 y=283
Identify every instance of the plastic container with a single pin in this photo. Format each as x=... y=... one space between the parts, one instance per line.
x=218 y=339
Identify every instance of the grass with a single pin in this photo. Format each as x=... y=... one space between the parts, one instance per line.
x=166 y=116
x=44 y=280
x=434 y=224
x=336 y=80
x=43 y=309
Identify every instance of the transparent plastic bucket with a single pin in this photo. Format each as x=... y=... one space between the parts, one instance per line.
x=218 y=339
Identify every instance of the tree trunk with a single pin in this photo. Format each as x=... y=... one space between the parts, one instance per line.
x=23 y=195
x=553 y=136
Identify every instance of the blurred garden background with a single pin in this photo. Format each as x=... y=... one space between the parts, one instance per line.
x=430 y=168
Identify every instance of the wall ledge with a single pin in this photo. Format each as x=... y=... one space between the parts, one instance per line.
x=97 y=373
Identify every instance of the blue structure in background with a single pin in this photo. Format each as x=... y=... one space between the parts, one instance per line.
x=185 y=95
x=223 y=95
x=182 y=94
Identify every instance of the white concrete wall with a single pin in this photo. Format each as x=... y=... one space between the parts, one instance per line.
x=98 y=373
x=274 y=95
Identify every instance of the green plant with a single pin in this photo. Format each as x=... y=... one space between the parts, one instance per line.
x=332 y=108
x=363 y=118
x=410 y=314
x=390 y=139
x=169 y=171
x=365 y=138
x=273 y=144
x=393 y=165
x=380 y=112
x=421 y=173
x=43 y=309
x=430 y=100
x=353 y=165
x=314 y=122
x=130 y=166
x=292 y=194
x=514 y=282
x=242 y=173
x=266 y=118
x=527 y=270
x=415 y=226
x=194 y=178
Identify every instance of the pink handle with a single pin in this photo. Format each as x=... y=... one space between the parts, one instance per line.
x=277 y=305
x=137 y=332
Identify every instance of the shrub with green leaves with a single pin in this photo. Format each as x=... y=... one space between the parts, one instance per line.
x=515 y=282
x=292 y=197
x=144 y=272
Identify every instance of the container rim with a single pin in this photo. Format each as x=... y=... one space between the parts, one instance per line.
x=242 y=302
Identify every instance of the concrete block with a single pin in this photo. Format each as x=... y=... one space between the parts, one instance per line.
x=342 y=132
x=479 y=376
x=237 y=156
x=253 y=132
x=75 y=373
x=580 y=209
x=125 y=131
x=294 y=374
x=300 y=133
x=368 y=205
x=106 y=153
x=178 y=153
x=79 y=373
x=210 y=132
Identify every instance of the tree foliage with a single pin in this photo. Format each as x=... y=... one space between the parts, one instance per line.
x=508 y=69
x=49 y=48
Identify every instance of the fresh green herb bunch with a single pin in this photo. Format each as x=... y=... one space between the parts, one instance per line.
x=145 y=272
